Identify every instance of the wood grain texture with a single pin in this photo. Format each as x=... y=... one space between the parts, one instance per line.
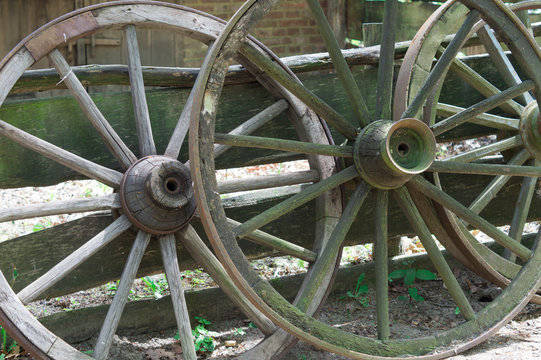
x=76 y=135
x=170 y=263
x=201 y=252
x=60 y=270
x=142 y=117
x=149 y=315
x=102 y=126
x=110 y=324
x=61 y=156
x=267 y=181
x=61 y=207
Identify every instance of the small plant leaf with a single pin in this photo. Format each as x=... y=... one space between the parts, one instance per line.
x=423 y=274
x=409 y=278
x=363 y=289
x=457 y=310
x=402 y=298
x=414 y=293
x=397 y=274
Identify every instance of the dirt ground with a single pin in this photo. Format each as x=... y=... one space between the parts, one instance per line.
x=520 y=339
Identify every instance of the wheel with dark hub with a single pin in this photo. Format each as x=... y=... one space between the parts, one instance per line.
x=503 y=121
x=382 y=155
x=152 y=206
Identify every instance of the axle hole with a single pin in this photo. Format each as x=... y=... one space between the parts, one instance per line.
x=403 y=149
x=172 y=185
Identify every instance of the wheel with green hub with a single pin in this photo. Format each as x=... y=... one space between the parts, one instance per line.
x=381 y=156
x=501 y=111
x=150 y=212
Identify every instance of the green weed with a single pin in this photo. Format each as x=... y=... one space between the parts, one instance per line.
x=157 y=288
x=360 y=290
x=8 y=346
x=410 y=275
x=203 y=338
x=42 y=225
x=239 y=331
x=252 y=325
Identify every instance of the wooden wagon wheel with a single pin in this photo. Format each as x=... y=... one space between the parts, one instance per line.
x=387 y=157
x=153 y=193
x=507 y=117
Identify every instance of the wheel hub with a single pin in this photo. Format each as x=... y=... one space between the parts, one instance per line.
x=157 y=195
x=530 y=129
x=387 y=154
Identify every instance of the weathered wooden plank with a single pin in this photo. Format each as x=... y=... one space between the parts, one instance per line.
x=410 y=17
x=151 y=315
x=72 y=131
x=25 y=253
x=336 y=13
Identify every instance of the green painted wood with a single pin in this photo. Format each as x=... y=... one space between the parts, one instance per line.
x=151 y=315
x=60 y=121
x=25 y=253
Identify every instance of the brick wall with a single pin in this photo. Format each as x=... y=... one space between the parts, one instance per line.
x=288 y=29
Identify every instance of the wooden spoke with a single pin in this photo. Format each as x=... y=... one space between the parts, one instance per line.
x=284 y=145
x=281 y=245
x=183 y=124
x=201 y=253
x=267 y=181
x=108 y=330
x=344 y=73
x=61 y=156
x=493 y=148
x=441 y=66
x=76 y=258
x=254 y=123
x=492 y=189
x=170 y=263
x=142 y=117
x=522 y=207
x=484 y=86
x=501 y=61
x=295 y=201
x=380 y=254
x=327 y=257
x=386 y=61
x=469 y=216
x=107 y=202
x=490 y=120
x=483 y=169
x=481 y=107
x=181 y=129
x=315 y=103
x=412 y=213
x=111 y=138
x=500 y=264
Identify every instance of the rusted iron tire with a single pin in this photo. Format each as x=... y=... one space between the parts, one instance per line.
x=512 y=138
x=387 y=157
x=153 y=195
